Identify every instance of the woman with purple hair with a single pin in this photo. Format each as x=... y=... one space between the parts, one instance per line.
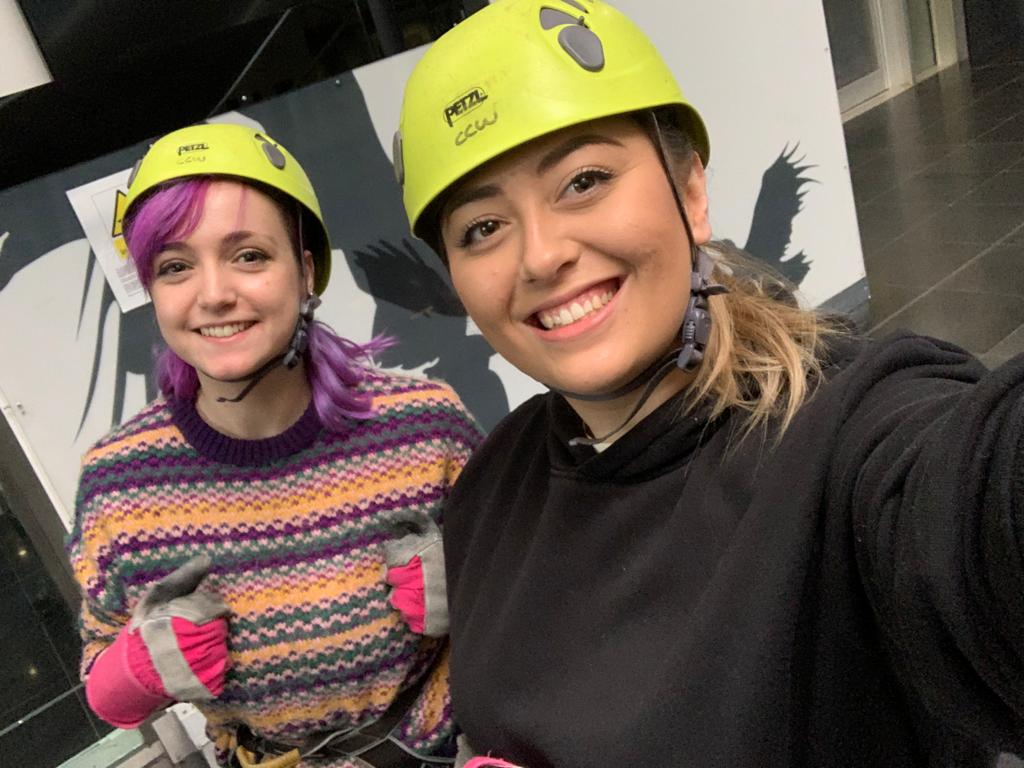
x=262 y=540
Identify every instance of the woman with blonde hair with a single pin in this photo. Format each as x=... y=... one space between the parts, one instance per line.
x=732 y=533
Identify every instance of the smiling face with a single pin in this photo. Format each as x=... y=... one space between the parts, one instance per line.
x=571 y=257
x=227 y=295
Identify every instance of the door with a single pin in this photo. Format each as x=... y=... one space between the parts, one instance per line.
x=858 y=55
x=923 y=58
x=880 y=47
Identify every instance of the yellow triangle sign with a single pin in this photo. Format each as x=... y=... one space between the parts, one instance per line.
x=119 y=206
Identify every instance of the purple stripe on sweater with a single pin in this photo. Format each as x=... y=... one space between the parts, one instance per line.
x=102 y=480
x=144 y=421
x=256 y=692
x=242 y=531
x=279 y=561
x=184 y=457
x=339 y=444
x=164 y=540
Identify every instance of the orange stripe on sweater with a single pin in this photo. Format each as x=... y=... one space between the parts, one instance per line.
x=169 y=434
x=305 y=593
x=283 y=650
x=276 y=507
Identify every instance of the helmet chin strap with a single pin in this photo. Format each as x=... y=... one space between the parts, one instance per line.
x=696 y=328
x=695 y=333
x=289 y=358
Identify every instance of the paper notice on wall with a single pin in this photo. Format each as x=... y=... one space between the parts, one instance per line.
x=99 y=206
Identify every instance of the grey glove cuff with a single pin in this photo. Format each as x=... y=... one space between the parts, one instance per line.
x=174 y=596
x=430 y=549
x=177 y=676
x=465 y=752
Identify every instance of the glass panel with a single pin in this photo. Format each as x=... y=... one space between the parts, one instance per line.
x=44 y=720
x=851 y=36
x=922 y=38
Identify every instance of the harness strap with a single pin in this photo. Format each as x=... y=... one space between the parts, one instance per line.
x=373 y=743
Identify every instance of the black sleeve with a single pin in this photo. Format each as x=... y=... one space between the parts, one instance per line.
x=931 y=461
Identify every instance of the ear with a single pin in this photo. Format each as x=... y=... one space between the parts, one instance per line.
x=695 y=200
x=309 y=268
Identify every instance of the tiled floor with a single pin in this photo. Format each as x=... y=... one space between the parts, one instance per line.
x=938 y=176
x=43 y=716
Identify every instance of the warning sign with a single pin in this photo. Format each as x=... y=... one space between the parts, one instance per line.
x=99 y=206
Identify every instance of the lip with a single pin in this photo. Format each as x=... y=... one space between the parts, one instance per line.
x=584 y=325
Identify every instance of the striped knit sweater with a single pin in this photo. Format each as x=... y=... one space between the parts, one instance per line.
x=294 y=525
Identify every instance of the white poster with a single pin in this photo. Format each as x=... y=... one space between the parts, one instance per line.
x=99 y=206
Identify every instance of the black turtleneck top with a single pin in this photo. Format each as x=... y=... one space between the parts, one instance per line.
x=849 y=595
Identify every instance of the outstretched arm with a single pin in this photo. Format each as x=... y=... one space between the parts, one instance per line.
x=932 y=461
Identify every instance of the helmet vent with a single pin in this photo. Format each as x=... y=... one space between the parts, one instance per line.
x=273 y=153
x=550 y=18
x=576 y=39
x=135 y=172
x=583 y=46
x=396 y=155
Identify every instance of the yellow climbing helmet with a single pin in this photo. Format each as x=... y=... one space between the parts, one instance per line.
x=220 y=149
x=516 y=70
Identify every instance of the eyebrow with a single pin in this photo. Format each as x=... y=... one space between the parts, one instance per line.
x=229 y=239
x=546 y=163
x=470 y=195
x=569 y=146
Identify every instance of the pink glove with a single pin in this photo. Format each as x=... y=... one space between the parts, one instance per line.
x=174 y=649
x=489 y=762
x=416 y=571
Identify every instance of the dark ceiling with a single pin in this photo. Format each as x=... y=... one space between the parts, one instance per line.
x=125 y=71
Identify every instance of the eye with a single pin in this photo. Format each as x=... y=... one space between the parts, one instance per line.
x=252 y=256
x=478 y=231
x=170 y=268
x=586 y=180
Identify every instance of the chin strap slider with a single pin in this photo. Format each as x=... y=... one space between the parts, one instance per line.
x=300 y=339
x=696 y=330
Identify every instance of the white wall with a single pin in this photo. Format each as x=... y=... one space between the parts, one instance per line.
x=21 y=63
x=761 y=75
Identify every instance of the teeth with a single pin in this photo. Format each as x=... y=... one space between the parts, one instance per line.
x=223 y=331
x=575 y=311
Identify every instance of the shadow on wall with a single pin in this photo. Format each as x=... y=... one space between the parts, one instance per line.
x=328 y=126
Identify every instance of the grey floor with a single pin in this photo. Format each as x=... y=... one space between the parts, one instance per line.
x=938 y=177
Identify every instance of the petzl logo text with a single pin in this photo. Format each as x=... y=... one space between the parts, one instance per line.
x=191 y=148
x=463 y=105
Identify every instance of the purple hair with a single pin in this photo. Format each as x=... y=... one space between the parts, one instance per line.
x=334 y=366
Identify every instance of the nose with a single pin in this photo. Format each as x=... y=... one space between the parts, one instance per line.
x=216 y=289
x=549 y=247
